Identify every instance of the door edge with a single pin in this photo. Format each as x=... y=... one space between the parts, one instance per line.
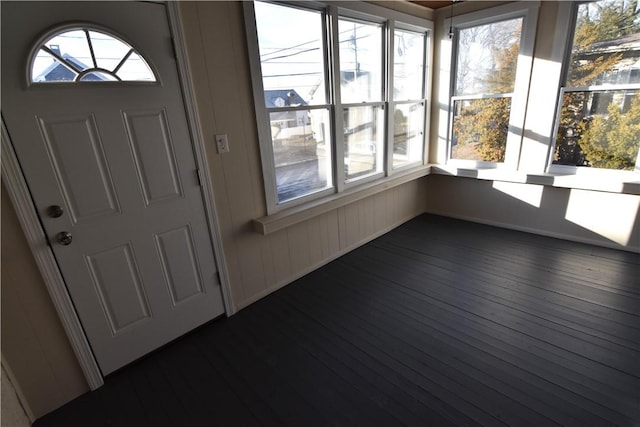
x=198 y=143
x=20 y=197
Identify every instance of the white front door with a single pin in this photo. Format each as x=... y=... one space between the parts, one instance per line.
x=130 y=235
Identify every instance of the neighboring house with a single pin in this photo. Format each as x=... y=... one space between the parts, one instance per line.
x=58 y=72
x=626 y=71
x=596 y=103
x=277 y=98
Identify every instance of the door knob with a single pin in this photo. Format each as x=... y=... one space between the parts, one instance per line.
x=54 y=211
x=64 y=238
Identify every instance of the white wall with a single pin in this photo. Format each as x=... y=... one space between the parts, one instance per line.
x=596 y=217
x=260 y=264
x=34 y=345
x=12 y=414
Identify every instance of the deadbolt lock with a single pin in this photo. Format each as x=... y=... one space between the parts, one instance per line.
x=54 y=211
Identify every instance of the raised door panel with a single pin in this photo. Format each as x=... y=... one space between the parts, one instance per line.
x=150 y=140
x=179 y=264
x=119 y=287
x=76 y=153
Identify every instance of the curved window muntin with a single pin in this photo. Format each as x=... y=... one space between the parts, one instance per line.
x=110 y=75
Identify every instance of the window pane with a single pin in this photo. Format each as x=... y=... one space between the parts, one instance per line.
x=605 y=44
x=600 y=129
x=408 y=65
x=135 y=68
x=360 y=62
x=291 y=55
x=487 y=58
x=302 y=152
x=363 y=140
x=64 y=56
x=408 y=134
x=480 y=128
x=73 y=47
x=108 y=50
x=47 y=68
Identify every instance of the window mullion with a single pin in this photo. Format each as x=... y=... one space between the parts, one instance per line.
x=521 y=90
x=338 y=119
x=262 y=114
x=390 y=105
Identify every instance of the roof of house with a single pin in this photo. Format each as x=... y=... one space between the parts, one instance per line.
x=629 y=42
x=275 y=98
x=58 y=72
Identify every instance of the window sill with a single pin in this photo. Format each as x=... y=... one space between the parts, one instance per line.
x=288 y=217
x=581 y=181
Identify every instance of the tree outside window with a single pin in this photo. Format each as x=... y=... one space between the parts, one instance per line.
x=599 y=123
x=486 y=62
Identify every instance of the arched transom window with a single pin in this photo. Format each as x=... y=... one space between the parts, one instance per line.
x=88 y=55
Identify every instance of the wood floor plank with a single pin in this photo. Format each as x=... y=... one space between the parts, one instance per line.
x=438 y=322
x=546 y=361
x=550 y=332
x=484 y=288
x=292 y=407
x=351 y=364
x=479 y=351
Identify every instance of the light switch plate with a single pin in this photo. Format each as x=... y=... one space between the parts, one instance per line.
x=222 y=143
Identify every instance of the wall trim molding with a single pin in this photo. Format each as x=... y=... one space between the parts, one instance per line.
x=198 y=142
x=27 y=216
x=22 y=400
x=537 y=231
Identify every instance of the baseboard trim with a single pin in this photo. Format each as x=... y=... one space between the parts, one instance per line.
x=338 y=254
x=537 y=231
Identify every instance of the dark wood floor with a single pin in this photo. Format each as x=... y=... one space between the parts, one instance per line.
x=439 y=322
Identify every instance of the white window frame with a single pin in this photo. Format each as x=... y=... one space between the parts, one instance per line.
x=335 y=10
x=528 y=11
x=338 y=14
x=587 y=172
x=425 y=96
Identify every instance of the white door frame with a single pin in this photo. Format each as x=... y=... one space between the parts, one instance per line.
x=20 y=196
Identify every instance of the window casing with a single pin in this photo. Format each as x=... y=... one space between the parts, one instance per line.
x=491 y=68
x=407 y=100
x=346 y=135
x=598 y=114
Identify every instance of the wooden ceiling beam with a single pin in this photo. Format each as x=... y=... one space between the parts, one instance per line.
x=432 y=4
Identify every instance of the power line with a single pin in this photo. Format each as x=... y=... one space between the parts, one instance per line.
x=306 y=43
x=309 y=50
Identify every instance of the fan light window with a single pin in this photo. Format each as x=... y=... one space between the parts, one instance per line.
x=88 y=55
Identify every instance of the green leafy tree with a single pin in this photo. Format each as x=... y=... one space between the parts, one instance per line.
x=484 y=123
x=611 y=141
x=596 y=22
